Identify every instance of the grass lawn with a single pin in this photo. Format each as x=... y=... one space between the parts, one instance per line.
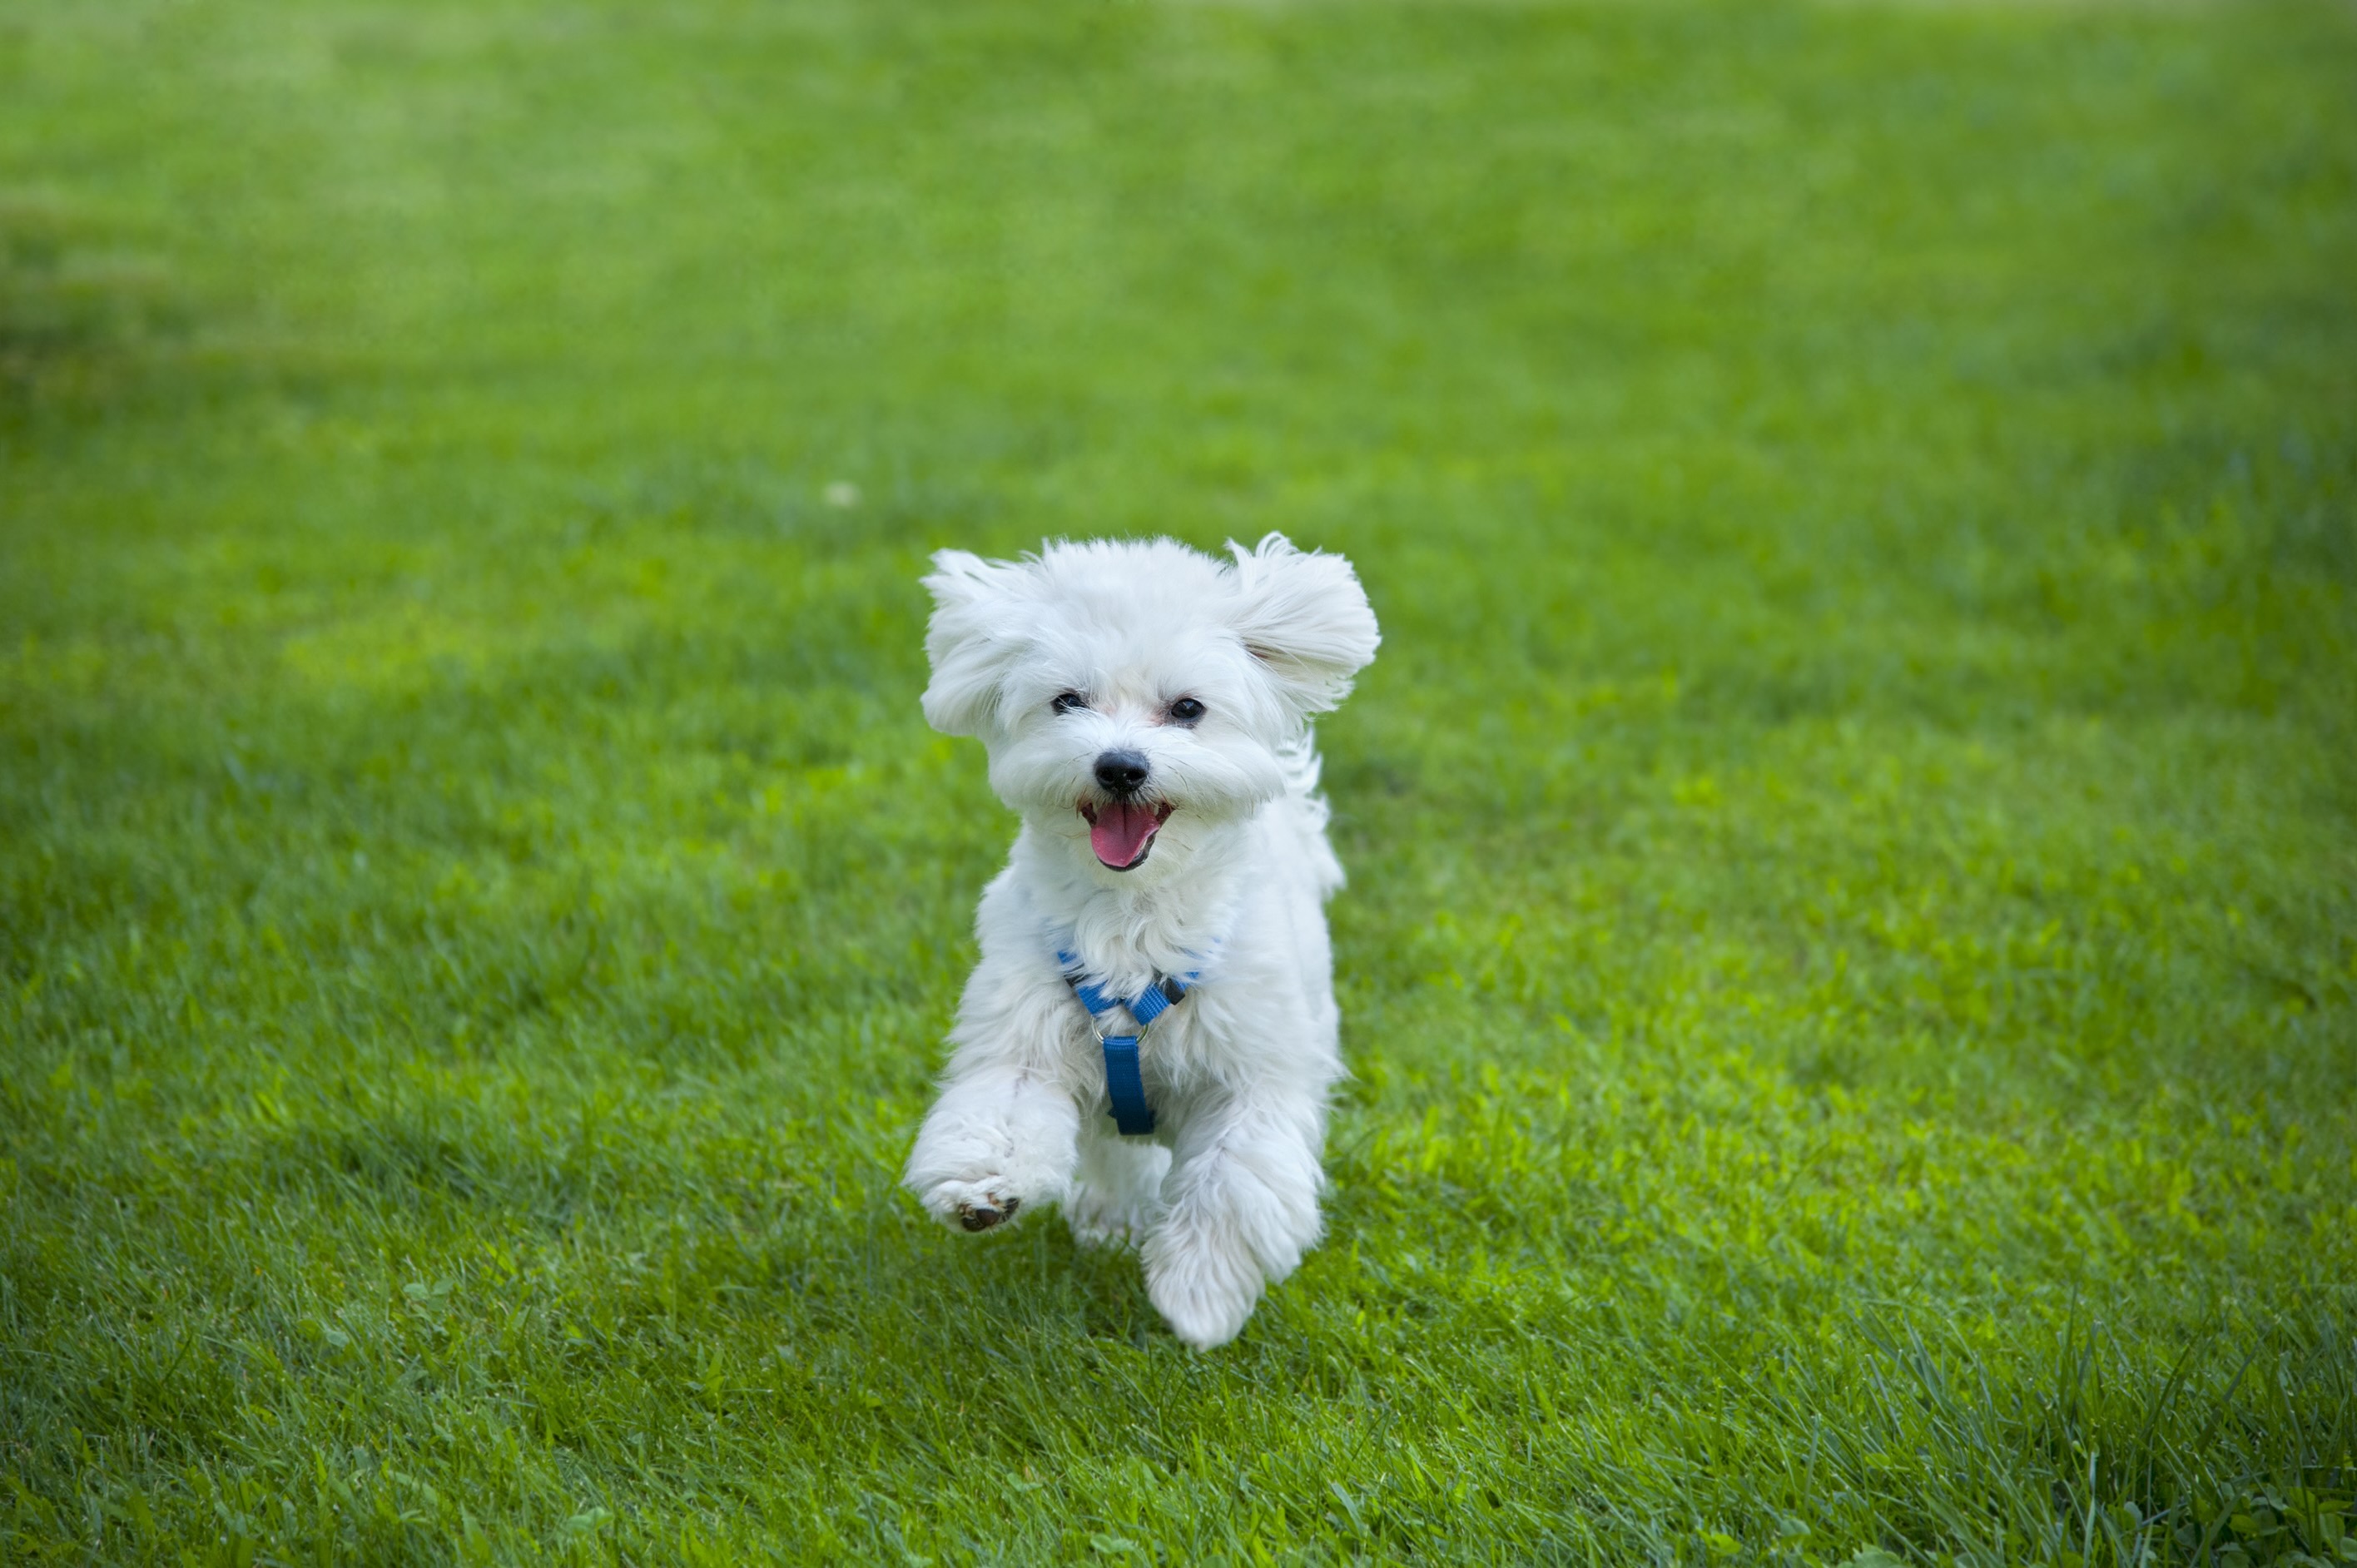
x=1850 y=969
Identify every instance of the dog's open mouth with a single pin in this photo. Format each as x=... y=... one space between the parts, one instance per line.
x=1123 y=832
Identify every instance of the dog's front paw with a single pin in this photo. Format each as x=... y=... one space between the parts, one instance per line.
x=974 y=1205
x=983 y=1216
x=1204 y=1290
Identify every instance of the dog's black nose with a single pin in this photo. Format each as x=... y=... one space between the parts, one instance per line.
x=1121 y=772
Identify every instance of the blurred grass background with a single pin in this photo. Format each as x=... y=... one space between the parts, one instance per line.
x=1851 y=965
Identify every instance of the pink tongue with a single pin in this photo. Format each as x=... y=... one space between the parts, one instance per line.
x=1120 y=832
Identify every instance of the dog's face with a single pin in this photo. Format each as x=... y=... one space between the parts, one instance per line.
x=1137 y=698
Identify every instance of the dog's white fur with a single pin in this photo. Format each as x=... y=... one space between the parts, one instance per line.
x=1221 y=1198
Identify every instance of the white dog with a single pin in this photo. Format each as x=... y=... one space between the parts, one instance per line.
x=1150 y=1036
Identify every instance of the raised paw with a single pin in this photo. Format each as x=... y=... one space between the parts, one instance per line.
x=983 y=1216
x=973 y=1204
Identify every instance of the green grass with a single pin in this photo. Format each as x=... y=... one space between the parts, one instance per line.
x=1851 y=964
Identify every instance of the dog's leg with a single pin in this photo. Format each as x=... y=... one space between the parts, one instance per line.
x=1240 y=1206
x=1119 y=1191
x=996 y=1140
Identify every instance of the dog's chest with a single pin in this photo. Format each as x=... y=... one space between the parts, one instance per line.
x=1174 y=1050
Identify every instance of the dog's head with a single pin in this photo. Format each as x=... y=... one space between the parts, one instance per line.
x=1137 y=697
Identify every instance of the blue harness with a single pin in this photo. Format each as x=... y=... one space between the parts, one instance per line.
x=1123 y=1083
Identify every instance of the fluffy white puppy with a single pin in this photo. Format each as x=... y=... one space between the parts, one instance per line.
x=1146 y=711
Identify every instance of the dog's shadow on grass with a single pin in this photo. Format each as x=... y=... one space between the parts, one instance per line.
x=1032 y=1279
x=771 y=1264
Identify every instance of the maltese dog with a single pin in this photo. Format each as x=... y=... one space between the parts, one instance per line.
x=1150 y=1036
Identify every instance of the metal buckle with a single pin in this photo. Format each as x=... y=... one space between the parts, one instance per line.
x=1137 y=1032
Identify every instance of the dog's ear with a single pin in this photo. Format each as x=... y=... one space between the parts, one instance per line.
x=1304 y=617
x=976 y=636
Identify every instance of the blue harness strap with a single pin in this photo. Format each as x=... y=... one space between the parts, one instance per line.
x=1124 y=1084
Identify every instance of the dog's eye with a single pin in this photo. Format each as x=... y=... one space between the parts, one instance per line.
x=1186 y=711
x=1067 y=701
